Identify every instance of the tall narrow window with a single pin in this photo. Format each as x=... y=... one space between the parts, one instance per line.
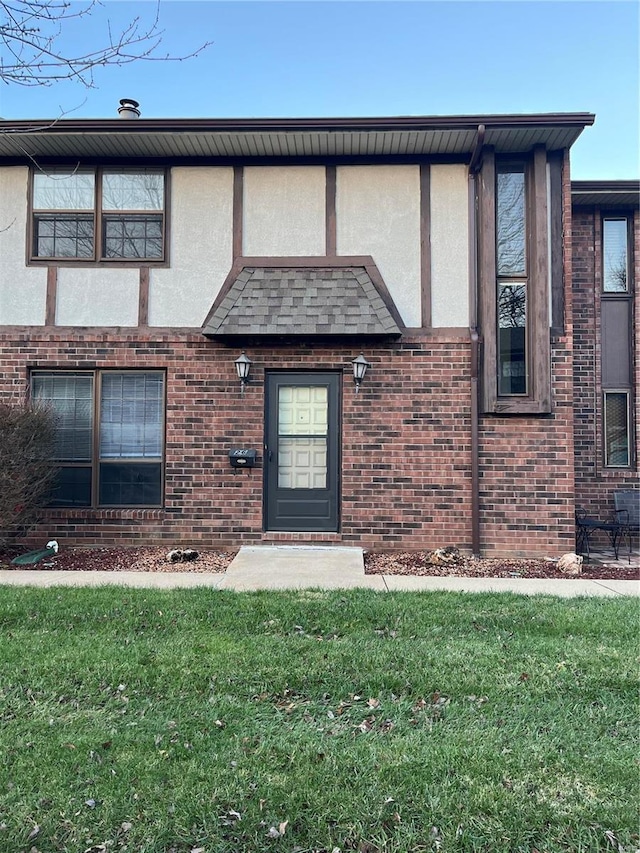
x=616 y=429
x=615 y=257
x=511 y=267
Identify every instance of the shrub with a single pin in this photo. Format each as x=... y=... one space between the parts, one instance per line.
x=27 y=435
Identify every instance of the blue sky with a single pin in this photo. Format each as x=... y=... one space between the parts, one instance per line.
x=339 y=58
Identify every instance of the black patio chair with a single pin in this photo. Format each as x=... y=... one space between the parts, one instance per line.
x=587 y=526
x=627 y=513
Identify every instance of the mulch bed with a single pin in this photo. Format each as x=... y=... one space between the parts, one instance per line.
x=121 y=560
x=376 y=562
x=420 y=563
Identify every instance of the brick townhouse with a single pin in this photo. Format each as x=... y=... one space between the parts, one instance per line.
x=355 y=331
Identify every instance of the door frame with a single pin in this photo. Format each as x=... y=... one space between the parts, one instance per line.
x=333 y=381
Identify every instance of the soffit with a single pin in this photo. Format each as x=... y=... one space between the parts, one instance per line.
x=310 y=301
x=605 y=193
x=258 y=139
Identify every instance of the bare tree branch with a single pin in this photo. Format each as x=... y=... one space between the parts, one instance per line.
x=30 y=52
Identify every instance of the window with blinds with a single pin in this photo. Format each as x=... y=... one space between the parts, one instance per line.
x=110 y=436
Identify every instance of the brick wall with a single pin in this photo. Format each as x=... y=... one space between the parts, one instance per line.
x=406 y=445
x=595 y=484
x=526 y=474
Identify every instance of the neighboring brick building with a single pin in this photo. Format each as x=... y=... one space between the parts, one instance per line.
x=606 y=262
x=141 y=258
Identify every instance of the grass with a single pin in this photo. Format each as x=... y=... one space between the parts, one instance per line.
x=136 y=721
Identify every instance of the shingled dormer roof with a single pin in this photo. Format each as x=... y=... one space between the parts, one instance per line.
x=304 y=298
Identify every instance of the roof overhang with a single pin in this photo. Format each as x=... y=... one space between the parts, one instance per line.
x=605 y=193
x=304 y=297
x=260 y=139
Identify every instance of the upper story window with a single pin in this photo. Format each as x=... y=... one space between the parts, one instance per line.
x=511 y=266
x=615 y=255
x=519 y=241
x=99 y=215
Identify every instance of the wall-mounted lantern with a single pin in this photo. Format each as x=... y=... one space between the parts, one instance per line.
x=243 y=367
x=360 y=366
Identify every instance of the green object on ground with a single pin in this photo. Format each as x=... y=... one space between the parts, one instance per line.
x=33 y=557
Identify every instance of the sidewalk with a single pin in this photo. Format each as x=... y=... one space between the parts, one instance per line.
x=290 y=567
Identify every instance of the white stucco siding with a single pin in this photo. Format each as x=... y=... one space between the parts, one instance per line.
x=449 y=246
x=23 y=289
x=284 y=211
x=200 y=251
x=104 y=296
x=378 y=214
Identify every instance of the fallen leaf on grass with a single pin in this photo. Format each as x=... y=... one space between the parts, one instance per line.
x=613 y=841
x=34 y=832
x=230 y=817
x=279 y=832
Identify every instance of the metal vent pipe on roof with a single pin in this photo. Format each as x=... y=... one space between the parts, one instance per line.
x=128 y=108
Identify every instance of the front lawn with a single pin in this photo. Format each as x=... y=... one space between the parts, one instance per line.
x=218 y=722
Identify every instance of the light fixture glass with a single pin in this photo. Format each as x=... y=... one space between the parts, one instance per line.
x=243 y=367
x=360 y=367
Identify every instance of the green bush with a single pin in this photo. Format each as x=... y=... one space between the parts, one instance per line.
x=27 y=434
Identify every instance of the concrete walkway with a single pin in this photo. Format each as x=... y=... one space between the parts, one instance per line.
x=291 y=567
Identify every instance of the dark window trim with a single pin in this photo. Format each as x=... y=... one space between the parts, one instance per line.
x=95 y=462
x=611 y=296
x=96 y=260
x=628 y=216
x=628 y=393
x=537 y=400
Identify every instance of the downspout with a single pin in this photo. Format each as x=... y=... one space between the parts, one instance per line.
x=474 y=166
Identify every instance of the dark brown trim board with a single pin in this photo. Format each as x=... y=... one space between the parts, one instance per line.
x=143 y=297
x=487 y=278
x=52 y=296
x=425 y=245
x=556 y=231
x=539 y=281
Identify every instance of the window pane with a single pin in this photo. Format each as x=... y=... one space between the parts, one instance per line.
x=131 y=416
x=302 y=463
x=71 y=487
x=71 y=398
x=132 y=236
x=63 y=190
x=512 y=322
x=133 y=191
x=510 y=224
x=614 y=241
x=616 y=425
x=130 y=484
x=302 y=410
x=63 y=236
